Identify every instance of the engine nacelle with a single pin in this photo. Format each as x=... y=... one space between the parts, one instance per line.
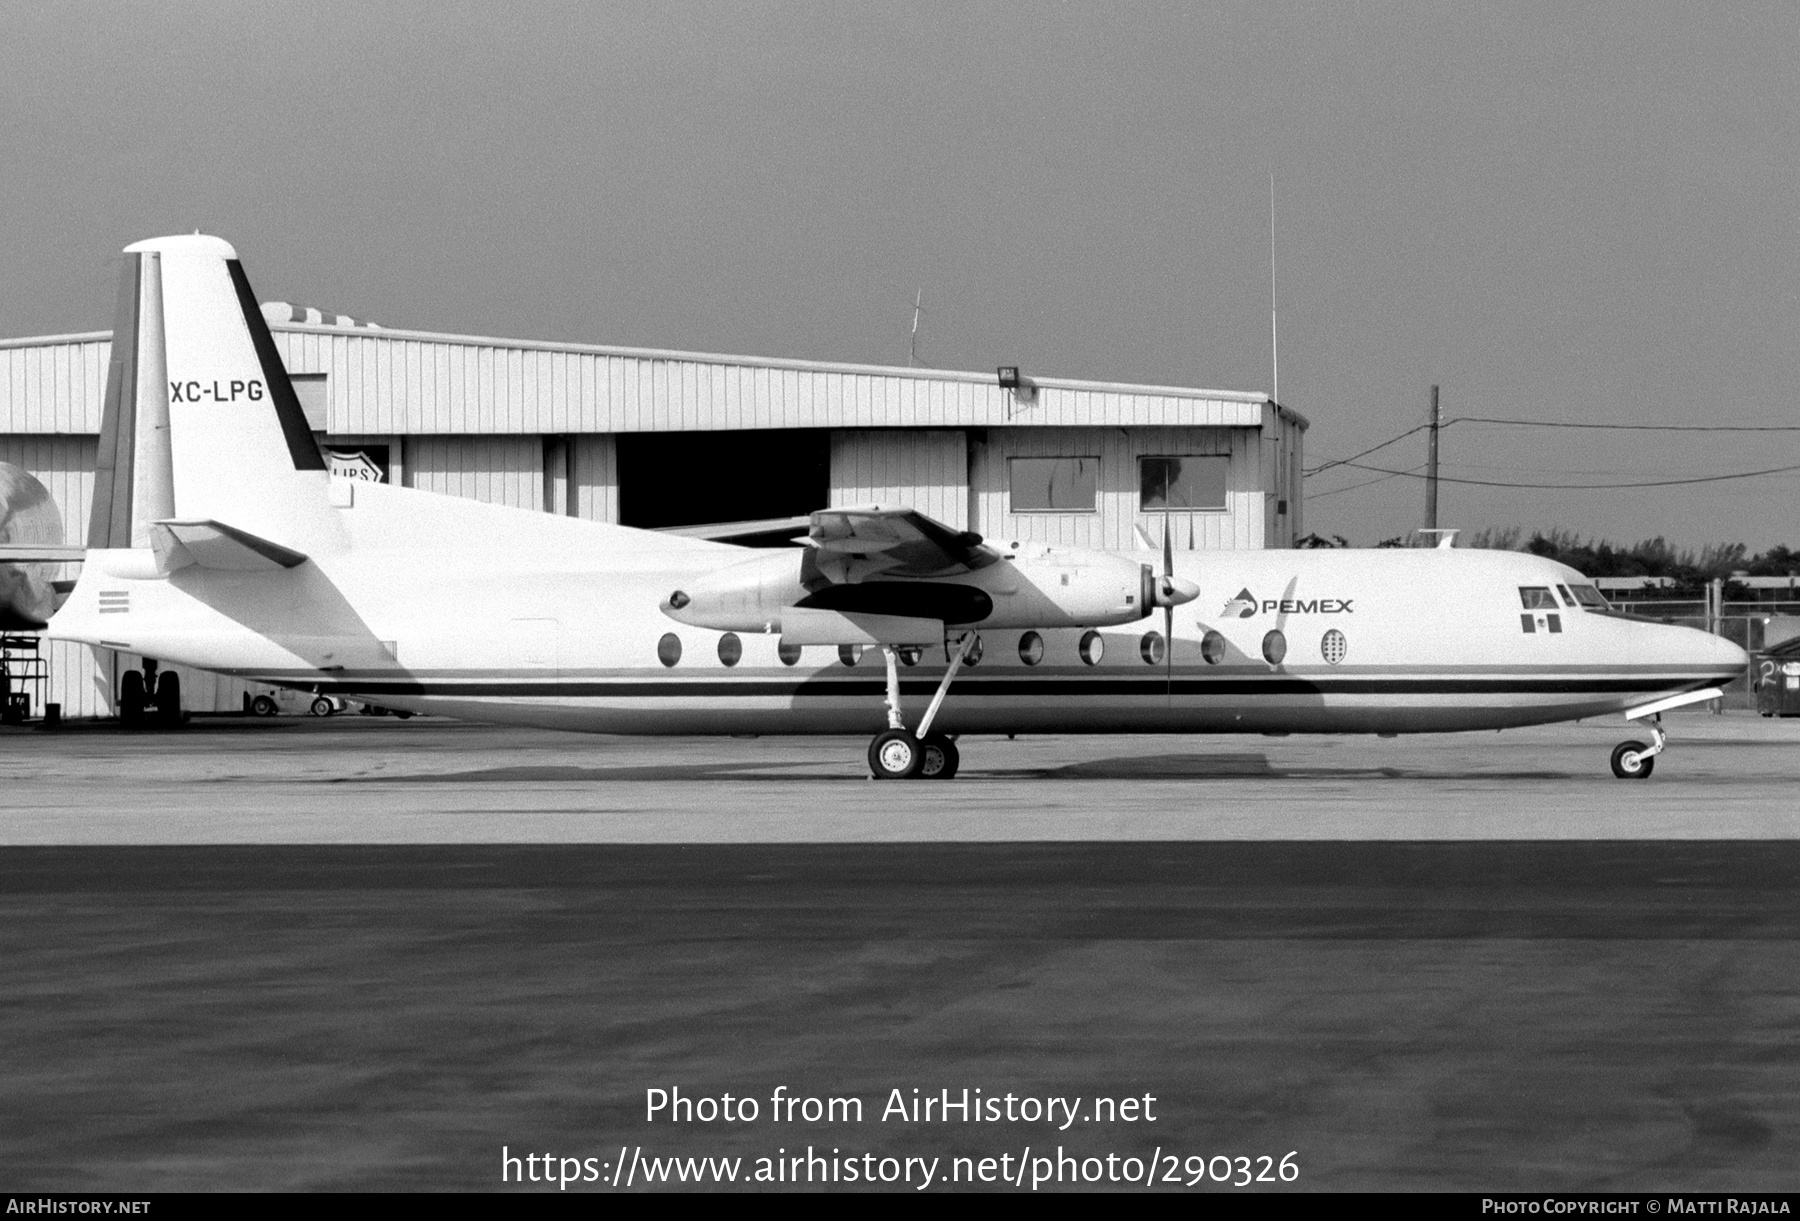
x=1030 y=587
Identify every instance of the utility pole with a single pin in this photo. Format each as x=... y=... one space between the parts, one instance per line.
x=1431 y=467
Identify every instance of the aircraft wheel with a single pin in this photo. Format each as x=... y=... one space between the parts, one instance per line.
x=263 y=705
x=131 y=697
x=321 y=706
x=1630 y=763
x=895 y=755
x=168 y=697
x=941 y=758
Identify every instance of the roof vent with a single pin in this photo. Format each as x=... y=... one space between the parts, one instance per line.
x=306 y=315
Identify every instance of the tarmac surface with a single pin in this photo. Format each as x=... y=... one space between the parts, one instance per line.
x=368 y=954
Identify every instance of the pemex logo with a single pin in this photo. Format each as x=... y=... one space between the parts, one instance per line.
x=1240 y=607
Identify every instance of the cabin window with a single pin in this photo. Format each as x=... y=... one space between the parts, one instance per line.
x=1536 y=597
x=910 y=654
x=1186 y=481
x=850 y=654
x=731 y=649
x=1053 y=485
x=789 y=653
x=1031 y=648
x=668 y=649
x=1150 y=648
x=1092 y=648
x=1333 y=647
x=1212 y=648
x=974 y=657
x=1274 y=647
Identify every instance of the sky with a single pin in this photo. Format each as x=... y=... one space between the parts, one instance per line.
x=1576 y=213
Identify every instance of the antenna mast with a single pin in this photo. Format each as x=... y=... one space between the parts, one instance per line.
x=912 y=350
x=1274 y=317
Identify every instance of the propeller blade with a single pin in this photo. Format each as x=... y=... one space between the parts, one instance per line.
x=1168 y=582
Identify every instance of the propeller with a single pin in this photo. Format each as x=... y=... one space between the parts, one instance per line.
x=1171 y=591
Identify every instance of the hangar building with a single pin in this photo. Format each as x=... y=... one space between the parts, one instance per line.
x=668 y=439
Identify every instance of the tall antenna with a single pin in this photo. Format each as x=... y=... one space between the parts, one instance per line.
x=912 y=350
x=1274 y=317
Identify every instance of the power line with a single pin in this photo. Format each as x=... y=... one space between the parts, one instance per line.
x=1482 y=419
x=1507 y=422
x=1365 y=483
x=1365 y=453
x=1586 y=487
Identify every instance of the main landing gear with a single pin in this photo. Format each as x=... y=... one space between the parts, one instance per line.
x=896 y=754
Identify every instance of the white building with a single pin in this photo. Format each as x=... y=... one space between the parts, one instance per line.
x=660 y=439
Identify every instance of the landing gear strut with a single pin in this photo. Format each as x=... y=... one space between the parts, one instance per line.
x=897 y=754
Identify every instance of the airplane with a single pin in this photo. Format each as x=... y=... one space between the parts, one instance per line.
x=219 y=540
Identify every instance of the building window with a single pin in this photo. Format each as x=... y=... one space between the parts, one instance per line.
x=1093 y=648
x=1150 y=648
x=1187 y=481
x=1053 y=485
x=668 y=649
x=1031 y=648
x=731 y=649
x=1274 y=647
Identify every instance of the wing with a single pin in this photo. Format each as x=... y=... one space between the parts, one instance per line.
x=863 y=541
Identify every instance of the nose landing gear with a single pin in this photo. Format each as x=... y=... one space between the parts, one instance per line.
x=1635 y=761
x=897 y=754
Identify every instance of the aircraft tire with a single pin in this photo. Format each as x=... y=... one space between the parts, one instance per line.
x=263 y=705
x=131 y=697
x=941 y=758
x=895 y=755
x=321 y=706
x=1629 y=763
x=168 y=697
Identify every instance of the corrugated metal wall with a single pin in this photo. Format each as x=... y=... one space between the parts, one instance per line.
x=594 y=477
x=54 y=384
x=415 y=383
x=1111 y=523
x=390 y=382
x=928 y=471
x=498 y=470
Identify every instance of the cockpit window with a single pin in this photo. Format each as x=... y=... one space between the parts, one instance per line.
x=1591 y=598
x=1536 y=597
x=1567 y=597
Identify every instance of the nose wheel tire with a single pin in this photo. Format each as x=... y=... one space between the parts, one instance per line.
x=941 y=758
x=895 y=755
x=1629 y=761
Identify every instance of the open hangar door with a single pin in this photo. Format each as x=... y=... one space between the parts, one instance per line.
x=698 y=478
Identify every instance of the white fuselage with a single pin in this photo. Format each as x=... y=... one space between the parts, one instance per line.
x=433 y=604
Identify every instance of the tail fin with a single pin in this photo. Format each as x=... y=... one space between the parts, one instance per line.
x=200 y=420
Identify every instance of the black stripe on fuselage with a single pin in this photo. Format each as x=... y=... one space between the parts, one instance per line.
x=301 y=446
x=996 y=687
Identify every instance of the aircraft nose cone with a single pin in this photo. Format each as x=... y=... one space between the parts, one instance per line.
x=1727 y=656
x=1177 y=592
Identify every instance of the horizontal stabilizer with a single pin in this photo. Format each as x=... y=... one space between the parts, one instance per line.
x=766 y=530
x=212 y=544
x=801 y=625
x=40 y=553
